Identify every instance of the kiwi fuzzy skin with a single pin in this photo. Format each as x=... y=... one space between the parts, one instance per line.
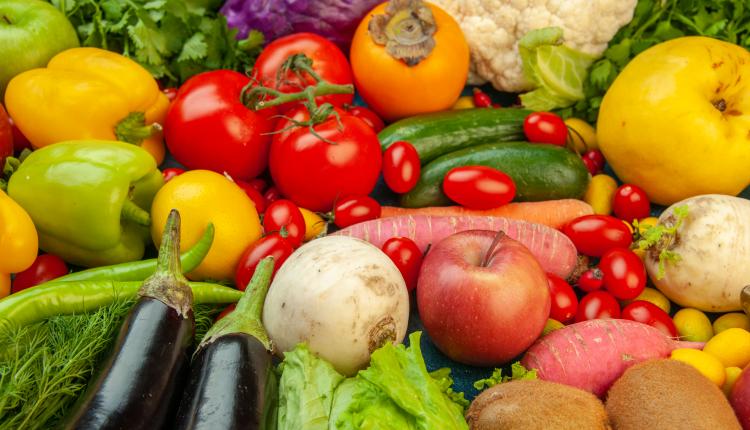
x=536 y=405
x=668 y=394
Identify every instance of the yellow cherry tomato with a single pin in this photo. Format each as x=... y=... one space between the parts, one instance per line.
x=582 y=135
x=19 y=242
x=693 y=325
x=314 y=224
x=731 y=373
x=731 y=347
x=654 y=296
x=203 y=196
x=600 y=192
x=705 y=363
x=731 y=320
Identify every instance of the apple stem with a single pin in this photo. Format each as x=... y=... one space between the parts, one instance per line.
x=491 y=250
x=6 y=19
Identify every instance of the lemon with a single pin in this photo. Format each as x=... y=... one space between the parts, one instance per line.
x=731 y=347
x=731 y=373
x=582 y=134
x=654 y=296
x=693 y=325
x=705 y=363
x=551 y=326
x=731 y=320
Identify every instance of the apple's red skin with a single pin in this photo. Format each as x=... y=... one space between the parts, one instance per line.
x=482 y=316
x=740 y=398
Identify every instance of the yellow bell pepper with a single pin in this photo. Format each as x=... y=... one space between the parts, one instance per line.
x=18 y=241
x=89 y=93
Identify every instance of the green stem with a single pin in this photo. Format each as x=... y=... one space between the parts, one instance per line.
x=132 y=212
x=168 y=260
x=253 y=99
x=247 y=316
x=133 y=128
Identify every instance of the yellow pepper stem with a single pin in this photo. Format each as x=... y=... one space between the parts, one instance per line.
x=132 y=212
x=133 y=128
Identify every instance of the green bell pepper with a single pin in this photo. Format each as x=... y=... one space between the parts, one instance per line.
x=89 y=200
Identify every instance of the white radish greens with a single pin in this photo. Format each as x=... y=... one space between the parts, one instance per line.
x=341 y=296
x=698 y=255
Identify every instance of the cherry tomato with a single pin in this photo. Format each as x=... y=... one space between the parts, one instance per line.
x=598 y=305
x=591 y=166
x=401 y=167
x=624 y=273
x=171 y=173
x=545 y=127
x=6 y=137
x=591 y=280
x=45 y=268
x=20 y=142
x=481 y=99
x=355 y=209
x=285 y=214
x=254 y=194
x=564 y=300
x=272 y=194
x=313 y=172
x=594 y=235
x=170 y=92
x=273 y=245
x=478 y=187
x=407 y=257
x=596 y=157
x=259 y=184
x=371 y=118
x=630 y=202
x=648 y=313
x=227 y=310
x=327 y=61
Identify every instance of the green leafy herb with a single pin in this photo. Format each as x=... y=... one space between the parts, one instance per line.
x=517 y=371
x=172 y=39
x=660 y=236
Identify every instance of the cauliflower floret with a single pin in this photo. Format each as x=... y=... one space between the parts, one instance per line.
x=494 y=27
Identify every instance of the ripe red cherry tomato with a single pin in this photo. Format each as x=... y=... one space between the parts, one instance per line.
x=545 y=127
x=171 y=173
x=272 y=194
x=371 y=118
x=591 y=280
x=624 y=273
x=598 y=305
x=401 y=167
x=6 y=136
x=285 y=214
x=478 y=187
x=648 y=313
x=355 y=209
x=594 y=161
x=170 y=92
x=481 y=99
x=45 y=267
x=274 y=245
x=406 y=255
x=630 y=202
x=564 y=300
x=594 y=235
x=254 y=194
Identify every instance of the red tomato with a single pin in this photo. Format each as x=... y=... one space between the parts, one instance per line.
x=481 y=99
x=272 y=194
x=285 y=214
x=227 y=310
x=478 y=187
x=648 y=313
x=171 y=173
x=545 y=127
x=313 y=172
x=591 y=280
x=407 y=257
x=45 y=268
x=355 y=209
x=254 y=194
x=564 y=300
x=630 y=202
x=401 y=167
x=598 y=305
x=259 y=184
x=170 y=92
x=6 y=137
x=371 y=118
x=594 y=235
x=207 y=126
x=20 y=142
x=327 y=61
x=591 y=166
x=273 y=245
x=624 y=273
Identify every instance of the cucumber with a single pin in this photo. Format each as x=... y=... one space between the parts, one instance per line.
x=439 y=133
x=540 y=172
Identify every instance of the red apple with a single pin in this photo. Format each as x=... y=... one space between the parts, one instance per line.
x=740 y=398
x=482 y=311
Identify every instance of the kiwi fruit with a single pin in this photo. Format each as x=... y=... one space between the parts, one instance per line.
x=536 y=405
x=668 y=394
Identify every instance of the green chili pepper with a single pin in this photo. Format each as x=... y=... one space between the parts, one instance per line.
x=38 y=303
x=140 y=270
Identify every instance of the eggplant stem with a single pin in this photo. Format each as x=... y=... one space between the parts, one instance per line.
x=493 y=247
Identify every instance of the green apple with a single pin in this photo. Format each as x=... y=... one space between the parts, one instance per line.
x=31 y=32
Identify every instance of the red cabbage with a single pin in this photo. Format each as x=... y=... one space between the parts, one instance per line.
x=333 y=19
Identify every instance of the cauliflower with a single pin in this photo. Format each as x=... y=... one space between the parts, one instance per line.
x=494 y=27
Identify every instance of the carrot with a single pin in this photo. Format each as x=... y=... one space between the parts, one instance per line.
x=552 y=213
x=591 y=355
x=554 y=251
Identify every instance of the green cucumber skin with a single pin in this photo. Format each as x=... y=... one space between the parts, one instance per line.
x=439 y=133
x=540 y=172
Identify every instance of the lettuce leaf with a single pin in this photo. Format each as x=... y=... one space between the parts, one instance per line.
x=517 y=371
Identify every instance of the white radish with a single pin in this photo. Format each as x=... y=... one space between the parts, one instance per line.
x=710 y=251
x=340 y=295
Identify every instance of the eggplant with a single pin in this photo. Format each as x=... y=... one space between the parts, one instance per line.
x=231 y=383
x=136 y=385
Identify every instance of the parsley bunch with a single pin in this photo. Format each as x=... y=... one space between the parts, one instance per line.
x=172 y=39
